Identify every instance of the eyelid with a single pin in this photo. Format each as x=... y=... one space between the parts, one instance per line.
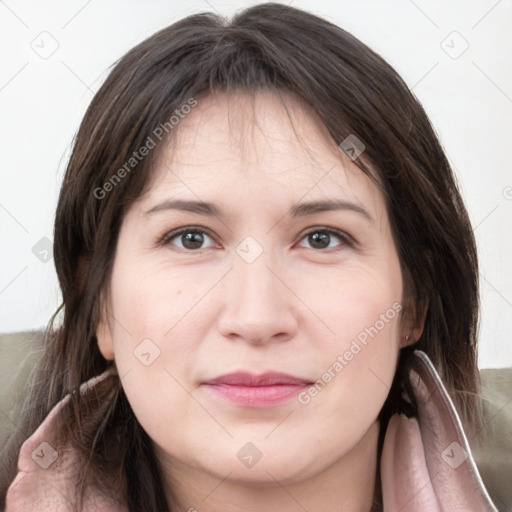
x=169 y=235
x=342 y=235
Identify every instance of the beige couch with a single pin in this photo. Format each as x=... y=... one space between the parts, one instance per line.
x=19 y=351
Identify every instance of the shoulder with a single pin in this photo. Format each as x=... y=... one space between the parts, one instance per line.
x=47 y=469
x=427 y=462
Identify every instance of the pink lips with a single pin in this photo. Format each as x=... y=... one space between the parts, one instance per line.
x=249 y=390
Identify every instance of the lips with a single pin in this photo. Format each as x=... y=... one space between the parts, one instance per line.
x=252 y=380
x=249 y=390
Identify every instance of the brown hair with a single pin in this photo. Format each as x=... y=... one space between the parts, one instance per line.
x=354 y=91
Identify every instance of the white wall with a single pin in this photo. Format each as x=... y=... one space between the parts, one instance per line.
x=42 y=100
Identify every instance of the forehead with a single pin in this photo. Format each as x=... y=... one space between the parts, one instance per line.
x=262 y=142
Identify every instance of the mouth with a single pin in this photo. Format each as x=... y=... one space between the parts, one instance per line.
x=248 y=390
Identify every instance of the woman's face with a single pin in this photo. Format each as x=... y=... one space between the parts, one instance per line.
x=279 y=282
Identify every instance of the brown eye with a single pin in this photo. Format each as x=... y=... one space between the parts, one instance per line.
x=187 y=239
x=319 y=240
x=323 y=238
x=192 y=240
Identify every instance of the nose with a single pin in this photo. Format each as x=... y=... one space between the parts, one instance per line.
x=258 y=305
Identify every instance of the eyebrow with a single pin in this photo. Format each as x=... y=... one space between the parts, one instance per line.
x=297 y=210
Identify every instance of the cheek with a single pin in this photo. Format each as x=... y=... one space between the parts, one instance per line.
x=150 y=302
x=358 y=362
x=362 y=304
x=156 y=336
x=362 y=310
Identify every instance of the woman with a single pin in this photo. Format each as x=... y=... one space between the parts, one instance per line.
x=266 y=265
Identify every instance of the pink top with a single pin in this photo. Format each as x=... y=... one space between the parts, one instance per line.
x=426 y=462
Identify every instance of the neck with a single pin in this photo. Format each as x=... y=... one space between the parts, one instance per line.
x=348 y=485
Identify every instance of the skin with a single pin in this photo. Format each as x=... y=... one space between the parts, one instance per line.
x=294 y=309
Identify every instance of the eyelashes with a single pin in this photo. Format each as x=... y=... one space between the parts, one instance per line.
x=346 y=240
x=198 y=235
x=169 y=237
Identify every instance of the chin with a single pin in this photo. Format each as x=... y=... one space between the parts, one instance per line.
x=285 y=467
